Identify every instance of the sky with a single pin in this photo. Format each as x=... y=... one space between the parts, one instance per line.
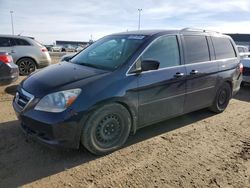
x=78 y=20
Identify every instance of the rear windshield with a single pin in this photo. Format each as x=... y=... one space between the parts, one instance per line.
x=38 y=43
x=109 y=52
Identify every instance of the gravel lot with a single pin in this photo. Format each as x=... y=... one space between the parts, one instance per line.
x=200 y=149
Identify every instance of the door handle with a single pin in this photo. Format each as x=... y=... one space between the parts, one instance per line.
x=179 y=75
x=194 y=72
x=12 y=51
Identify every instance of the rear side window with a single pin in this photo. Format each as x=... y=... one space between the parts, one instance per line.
x=21 y=42
x=5 y=42
x=196 y=49
x=165 y=50
x=223 y=48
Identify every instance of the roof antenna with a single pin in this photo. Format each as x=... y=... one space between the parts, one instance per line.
x=20 y=33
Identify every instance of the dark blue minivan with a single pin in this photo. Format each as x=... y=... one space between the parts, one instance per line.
x=126 y=81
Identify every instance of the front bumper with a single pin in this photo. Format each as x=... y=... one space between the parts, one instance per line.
x=54 y=129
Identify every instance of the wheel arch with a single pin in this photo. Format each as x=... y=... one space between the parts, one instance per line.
x=121 y=101
x=29 y=58
x=87 y=114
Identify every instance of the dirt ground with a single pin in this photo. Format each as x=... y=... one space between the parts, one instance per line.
x=199 y=149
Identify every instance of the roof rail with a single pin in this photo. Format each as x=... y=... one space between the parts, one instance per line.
x=198 y=30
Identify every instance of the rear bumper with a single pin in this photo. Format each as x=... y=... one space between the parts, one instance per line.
x=8 y=73
x=43 y=64
x=236 y=85
x=44 y=61
x=8 y=79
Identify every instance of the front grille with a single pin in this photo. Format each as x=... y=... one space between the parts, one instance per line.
x=246 y=71
x=23 y=98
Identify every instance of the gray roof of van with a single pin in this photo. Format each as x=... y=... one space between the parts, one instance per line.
x=154 y=32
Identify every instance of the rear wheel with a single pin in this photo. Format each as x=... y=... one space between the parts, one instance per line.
x=242 y=84
x=222 y=98
x=107 y=129
x=26 y=66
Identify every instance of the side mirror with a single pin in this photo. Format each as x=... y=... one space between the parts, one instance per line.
x=147 y=65
x=66 y=58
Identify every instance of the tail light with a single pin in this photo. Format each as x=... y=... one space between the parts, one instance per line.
x=5 y=58
x=44 y=49
x=241 y=67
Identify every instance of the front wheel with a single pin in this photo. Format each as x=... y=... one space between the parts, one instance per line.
x=107 y=129
x=222 y=98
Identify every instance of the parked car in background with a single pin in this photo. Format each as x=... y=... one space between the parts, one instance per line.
x=243 y=51
x=127 y=81
x=70 y=48
x=245 y=60
x=27 y=53
x=79 y=48
x=58 y=49
x=246 y=71
x=49 y=47
x=8 y=70
x=67 y=57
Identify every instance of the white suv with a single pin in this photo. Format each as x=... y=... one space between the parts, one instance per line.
x=27 y=53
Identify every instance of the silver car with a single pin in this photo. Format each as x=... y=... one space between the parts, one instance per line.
x=27 y=53
x=246 y=71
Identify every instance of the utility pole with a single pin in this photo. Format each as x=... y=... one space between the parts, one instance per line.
x=139 y=24
x=12 y=25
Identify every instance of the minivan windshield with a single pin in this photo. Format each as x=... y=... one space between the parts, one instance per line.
x=109 y=52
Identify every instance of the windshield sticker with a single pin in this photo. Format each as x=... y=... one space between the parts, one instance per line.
x=136 y=37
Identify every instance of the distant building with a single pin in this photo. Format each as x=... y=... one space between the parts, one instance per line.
x=241 y=39
x=72 y=43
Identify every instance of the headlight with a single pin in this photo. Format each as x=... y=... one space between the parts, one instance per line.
x=59 y=101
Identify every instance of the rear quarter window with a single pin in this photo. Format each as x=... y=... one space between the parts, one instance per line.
x=21 y=42
x=223 y=48
x=196 y=49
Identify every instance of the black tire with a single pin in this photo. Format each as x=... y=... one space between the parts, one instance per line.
x=222 y=98
x=26 y=66
x=107 y=129
x=242 y=84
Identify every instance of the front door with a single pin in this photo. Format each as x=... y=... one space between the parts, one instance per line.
x=161 y=92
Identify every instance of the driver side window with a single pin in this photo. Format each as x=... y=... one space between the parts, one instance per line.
x=165 y=50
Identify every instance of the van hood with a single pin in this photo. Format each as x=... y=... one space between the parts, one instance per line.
x=55 y=76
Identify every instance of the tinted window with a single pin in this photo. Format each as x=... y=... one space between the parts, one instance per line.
x=223 y=48
x=165 y=50
x=5 y=42
x=196 y=49
x=21 y=42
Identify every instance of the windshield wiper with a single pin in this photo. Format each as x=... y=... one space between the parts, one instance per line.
x=91 y=65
